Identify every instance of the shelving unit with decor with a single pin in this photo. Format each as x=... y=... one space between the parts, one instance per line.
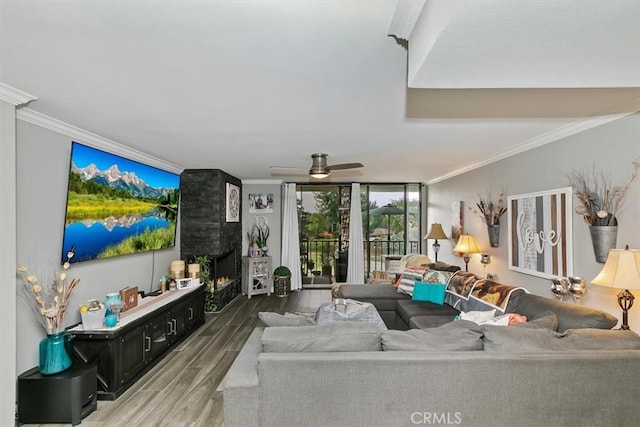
x=257 y=278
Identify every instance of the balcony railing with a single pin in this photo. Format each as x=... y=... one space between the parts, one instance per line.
x=321 y=256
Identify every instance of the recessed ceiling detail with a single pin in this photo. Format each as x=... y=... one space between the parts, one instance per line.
x=521 y=43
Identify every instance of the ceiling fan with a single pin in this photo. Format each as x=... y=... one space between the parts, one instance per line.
x=319 y=167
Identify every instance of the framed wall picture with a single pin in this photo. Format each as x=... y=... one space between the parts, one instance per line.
x=457 y=221
x=540 y=233
x=233 y=203
x=261 y=203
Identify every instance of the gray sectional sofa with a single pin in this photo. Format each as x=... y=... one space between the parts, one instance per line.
x=574 y=372
x=399 y=311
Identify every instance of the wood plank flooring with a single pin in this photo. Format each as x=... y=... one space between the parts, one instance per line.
x=183 y=389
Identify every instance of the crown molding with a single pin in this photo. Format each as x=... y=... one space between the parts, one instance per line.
x=96 y=141
x=540 y=140
x=262 y=181
x=15 y=96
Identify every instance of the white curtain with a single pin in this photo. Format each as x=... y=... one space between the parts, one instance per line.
x=290 y=237
x=355 y=263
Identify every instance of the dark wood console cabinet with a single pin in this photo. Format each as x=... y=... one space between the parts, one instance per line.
x=122 y=355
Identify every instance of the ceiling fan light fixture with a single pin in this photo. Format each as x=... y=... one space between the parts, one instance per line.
x=318 y=174
x=319 y=168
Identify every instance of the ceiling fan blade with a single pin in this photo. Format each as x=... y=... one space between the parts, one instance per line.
x=287 y=168
x=345 y=166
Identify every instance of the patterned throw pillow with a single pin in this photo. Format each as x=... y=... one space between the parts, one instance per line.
x=408 y=278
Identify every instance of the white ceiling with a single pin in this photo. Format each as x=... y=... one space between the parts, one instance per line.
x=241 y=85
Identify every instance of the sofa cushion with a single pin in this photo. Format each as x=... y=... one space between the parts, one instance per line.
x=601 y=339
x=426 y=321
x=524 y=340
x=384 y=297
x=453 y=336
x=430 y=292
x=511 y=339
x=331 y=337
x=407 y=309
x=287 y=319
x=570 y=315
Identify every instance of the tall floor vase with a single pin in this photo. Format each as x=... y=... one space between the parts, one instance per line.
x=53 y=354
x=603 y=238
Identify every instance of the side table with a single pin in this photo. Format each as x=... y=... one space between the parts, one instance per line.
x=66 y=397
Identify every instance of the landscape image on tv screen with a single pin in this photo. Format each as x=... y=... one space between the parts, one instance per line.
x=117 y=206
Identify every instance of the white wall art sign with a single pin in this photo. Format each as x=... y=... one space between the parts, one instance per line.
x=540 y=233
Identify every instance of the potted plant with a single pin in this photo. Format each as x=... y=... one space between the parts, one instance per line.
x=282 y=281
x=205 y=278
x=261 y=233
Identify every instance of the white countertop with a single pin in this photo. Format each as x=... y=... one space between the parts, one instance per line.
x=144 y=307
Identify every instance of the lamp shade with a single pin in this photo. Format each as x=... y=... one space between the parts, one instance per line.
x=621 y=270
x=467 y=245
x=436 y=232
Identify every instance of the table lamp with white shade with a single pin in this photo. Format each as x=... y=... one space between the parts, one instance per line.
x=621 y=271
x=466 y=246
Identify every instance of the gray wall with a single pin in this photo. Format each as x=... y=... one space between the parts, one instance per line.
x=42 y=168
x=611 y=146
x=274 y=219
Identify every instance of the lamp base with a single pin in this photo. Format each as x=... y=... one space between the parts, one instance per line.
x=436 y=249
x=625 y=301
x=466 y=259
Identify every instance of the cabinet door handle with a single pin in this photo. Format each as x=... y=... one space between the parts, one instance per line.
x=190 y=313
x=175 y=326
x=147 y=344
x=170 y=324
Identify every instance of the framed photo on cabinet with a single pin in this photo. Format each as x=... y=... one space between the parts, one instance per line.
x=233 y=203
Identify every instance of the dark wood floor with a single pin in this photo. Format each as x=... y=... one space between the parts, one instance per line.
x=184 y=389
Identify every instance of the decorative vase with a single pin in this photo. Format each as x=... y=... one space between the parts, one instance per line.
x=113 y=303
x=264 y=250
x=53 y=354
x=494 y=235
x=603 y=238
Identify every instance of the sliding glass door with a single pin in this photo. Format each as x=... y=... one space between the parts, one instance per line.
x=390 y=222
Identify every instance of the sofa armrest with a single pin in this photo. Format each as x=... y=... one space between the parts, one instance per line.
x=241 y=402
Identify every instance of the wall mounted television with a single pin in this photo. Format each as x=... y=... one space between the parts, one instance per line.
x=116 y=206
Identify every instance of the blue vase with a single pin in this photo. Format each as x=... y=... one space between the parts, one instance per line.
x=53 y=354
x=113 y=303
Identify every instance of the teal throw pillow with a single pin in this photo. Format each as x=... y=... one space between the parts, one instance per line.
x=431 y=292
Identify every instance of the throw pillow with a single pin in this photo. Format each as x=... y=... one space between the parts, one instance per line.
x=288 y=319
x=408 y=279
x=331 y=337
x=461 y=335
x=431 y=292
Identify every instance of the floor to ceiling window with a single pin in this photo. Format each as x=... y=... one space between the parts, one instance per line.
x=390 y=223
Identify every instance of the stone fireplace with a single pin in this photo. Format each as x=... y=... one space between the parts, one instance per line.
x=204 y=229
